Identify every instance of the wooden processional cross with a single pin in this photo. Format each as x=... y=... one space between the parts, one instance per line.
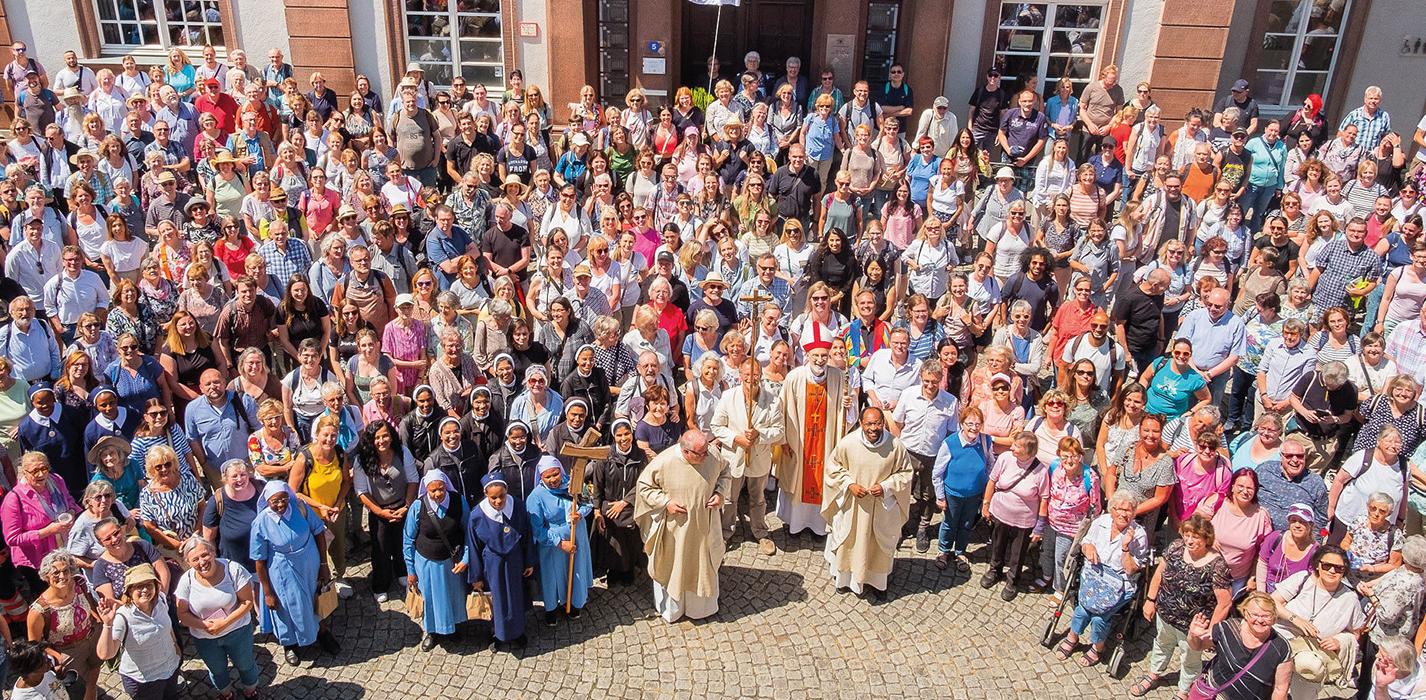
x=756 y=298
x=582 y=454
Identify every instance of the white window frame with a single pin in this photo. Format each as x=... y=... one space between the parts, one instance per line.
x=453 y=17
x=1048 y=30
x=158 y=52
x=1295 y=57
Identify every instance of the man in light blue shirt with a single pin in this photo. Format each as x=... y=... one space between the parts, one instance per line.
x=31 y=347
x=218 y=424
x=766 y=284
x=72 y=292
x=1266 y=178
x=1219 y=338
x=1285 y=361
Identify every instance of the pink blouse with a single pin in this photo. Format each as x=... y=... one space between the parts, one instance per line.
x=1195 y=487
x=405 y=344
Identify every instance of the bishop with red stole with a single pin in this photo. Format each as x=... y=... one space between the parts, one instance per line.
x=813 y=402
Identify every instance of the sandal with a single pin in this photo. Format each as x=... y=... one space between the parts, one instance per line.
x=1142 y=686
x=1065 y=649
x=1090 y=658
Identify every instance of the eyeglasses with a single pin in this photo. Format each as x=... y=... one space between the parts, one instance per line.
x=1181 y=353
x=1084 y=373
x=156 y=414
x=706 y=329
x=1054 y=403
x=1098 y=326
x=821 y=297
x=1332 y=568
x=1298 y=455
x=128 y=348
x=89 y=326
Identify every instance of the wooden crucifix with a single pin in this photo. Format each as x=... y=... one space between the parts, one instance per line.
x=582 y=454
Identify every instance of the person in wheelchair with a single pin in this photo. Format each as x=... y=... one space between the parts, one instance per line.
x=1114 y=551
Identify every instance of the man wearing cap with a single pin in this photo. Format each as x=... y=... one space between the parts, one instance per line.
x=36 y=103
x=414 y=134
x=868 y=497
x=219 y=104
x=1238 y=98
x=664 y=269
x=1023 y=131
x=169 y=205
x=712 y=299
x=73 y=292
x=747 y=423
x=1285 y=484
x=73 y=75
x=677 y=506
x=940 y=124
x=274 y=73
x=1097 y=105
x=1235 y=163
x=30 y=345
x=986 y=104
x=814 y=400
x=588 y=303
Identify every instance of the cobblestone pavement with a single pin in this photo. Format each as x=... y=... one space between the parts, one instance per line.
x=781 y=632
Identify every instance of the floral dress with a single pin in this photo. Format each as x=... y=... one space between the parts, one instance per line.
x=1188 y=590
x=261 y=451
x=161 y=300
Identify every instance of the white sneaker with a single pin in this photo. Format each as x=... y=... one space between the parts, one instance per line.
x=344 y=591
x=380 y=598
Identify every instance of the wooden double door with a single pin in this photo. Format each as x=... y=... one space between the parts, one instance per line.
x=776 y=29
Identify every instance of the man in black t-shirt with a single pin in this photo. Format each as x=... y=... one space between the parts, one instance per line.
x=1247 y=107
x=506 y=247
x=986 y=104
x=1138 y=317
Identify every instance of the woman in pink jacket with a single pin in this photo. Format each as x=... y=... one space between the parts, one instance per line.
x=36 y=516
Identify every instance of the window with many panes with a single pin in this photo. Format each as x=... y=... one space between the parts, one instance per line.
x=1047 y=41
x=457 y=37
x=1299 y=49
x=129 y=24
x=882 y=21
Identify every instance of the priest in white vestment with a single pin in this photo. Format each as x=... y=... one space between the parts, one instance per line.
x=814 y=400
x=866 y=498
x=678 y=505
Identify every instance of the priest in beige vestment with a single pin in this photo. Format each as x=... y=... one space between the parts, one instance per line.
x=866 y=498
x=677 y=506
x=814 y=399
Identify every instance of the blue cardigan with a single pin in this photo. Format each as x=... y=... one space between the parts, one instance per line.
x=961 y=471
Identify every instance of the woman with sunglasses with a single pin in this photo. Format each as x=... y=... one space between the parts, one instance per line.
x=1086 y=399
x=135 y=376
x=99 y=503
x=1381 y=469
x=170 y=503
x=1317 y=606
x=1173 y=383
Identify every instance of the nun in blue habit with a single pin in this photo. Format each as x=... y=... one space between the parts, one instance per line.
x=287 y=542
x=551 y=507
x=502 y=556
x=433 y=542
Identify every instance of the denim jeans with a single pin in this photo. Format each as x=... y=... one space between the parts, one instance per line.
x=1054 y=549
x=957 y=523
x=1098 y=624
x=237 y=646
x=1256 y=199
x=1240 y=401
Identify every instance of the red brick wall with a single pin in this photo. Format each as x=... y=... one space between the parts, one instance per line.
x=1187 y=56
x=320 y=34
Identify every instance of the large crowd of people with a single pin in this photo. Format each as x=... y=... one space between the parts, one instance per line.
x=505 y=349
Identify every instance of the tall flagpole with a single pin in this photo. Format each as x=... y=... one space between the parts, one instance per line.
x=716 y=24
